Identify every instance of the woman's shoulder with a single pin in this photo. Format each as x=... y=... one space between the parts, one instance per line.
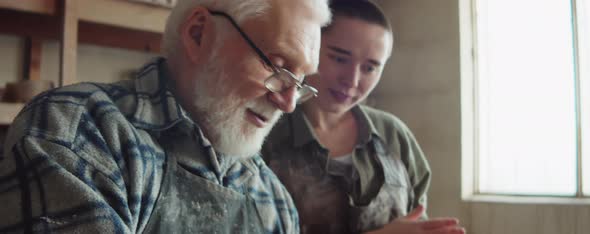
x=386 y=123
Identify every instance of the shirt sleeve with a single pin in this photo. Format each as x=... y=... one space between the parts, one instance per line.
x=288 y=217
x=46 y=187
x=90 y=183
x=418 y=168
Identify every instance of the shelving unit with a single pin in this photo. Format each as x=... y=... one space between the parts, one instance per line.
x=111 y=23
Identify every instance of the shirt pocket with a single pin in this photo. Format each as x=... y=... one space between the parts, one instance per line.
x=390 y=203
x=397 y=186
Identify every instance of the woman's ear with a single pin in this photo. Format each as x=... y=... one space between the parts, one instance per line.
x=196 y=35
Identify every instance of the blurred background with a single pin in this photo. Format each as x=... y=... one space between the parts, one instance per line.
x=495 y=91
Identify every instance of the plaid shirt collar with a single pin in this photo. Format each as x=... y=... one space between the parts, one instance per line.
x=157 y=108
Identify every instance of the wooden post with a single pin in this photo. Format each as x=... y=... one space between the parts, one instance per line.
x=69 y=41
x=32 y=63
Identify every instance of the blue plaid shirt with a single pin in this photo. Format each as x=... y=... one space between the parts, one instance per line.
x=86 y=158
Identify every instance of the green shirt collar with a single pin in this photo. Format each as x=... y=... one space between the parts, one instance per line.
x=303 y=130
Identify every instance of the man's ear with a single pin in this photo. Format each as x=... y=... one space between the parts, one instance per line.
x=196 y=33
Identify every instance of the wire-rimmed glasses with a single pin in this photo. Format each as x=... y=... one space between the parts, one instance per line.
x=281 y=79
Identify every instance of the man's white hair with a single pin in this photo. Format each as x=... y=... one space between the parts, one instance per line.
x=240 y=10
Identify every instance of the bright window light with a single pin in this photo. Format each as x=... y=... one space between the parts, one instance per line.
x=584 y=69
x=526 y=98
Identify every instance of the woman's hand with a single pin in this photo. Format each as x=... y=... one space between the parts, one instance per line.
x=411 y=225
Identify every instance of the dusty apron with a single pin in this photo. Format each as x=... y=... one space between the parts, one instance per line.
x=188 y=203
x=324 y=204
x=393 y=200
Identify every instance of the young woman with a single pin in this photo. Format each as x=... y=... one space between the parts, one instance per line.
x=351 y=168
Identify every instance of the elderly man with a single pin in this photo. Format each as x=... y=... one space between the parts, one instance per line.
x=175 y=149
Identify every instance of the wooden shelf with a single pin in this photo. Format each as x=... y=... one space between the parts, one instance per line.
x=8 y=111
x=118 y=13
x=112 y=23
x=47 y=7
x=124 y=14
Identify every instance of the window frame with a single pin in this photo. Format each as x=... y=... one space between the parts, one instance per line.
x=470 y=111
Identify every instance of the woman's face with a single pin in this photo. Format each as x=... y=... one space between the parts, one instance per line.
x=352 y=56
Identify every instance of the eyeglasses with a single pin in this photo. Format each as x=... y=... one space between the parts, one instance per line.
x=282 y=79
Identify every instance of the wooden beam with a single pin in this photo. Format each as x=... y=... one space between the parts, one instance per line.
x=69 y=42
x=124 y=14
x=111 y=36
x=45 y=28
x=32 y=63
x=34 y=6
x=29 y=24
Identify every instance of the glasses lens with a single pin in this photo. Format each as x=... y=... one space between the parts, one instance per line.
x=288 y=79
x=284 y=80
x=281 y=81
x=289 y=76
x=274 y=84
x=305 y=93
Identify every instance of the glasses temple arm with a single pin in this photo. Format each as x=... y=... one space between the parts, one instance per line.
x=243 y=34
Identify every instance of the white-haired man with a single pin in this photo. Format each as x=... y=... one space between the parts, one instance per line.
x=174 y=150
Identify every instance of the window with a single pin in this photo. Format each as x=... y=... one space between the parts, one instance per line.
x=531 y=97
x=584 y=71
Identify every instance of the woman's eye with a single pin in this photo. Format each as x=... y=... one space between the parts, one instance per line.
x=369 y=68
x=338 y=59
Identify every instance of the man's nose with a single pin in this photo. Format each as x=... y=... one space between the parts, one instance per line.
x=284 y=100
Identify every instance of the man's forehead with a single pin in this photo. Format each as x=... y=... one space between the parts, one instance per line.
x=291 y=35
x=304 y=48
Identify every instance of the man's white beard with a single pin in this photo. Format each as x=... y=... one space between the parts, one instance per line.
x=222 y=114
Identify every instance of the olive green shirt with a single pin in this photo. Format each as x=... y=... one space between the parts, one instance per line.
x=390 y=175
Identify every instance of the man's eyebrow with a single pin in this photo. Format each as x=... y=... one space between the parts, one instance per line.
x=339 y=50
